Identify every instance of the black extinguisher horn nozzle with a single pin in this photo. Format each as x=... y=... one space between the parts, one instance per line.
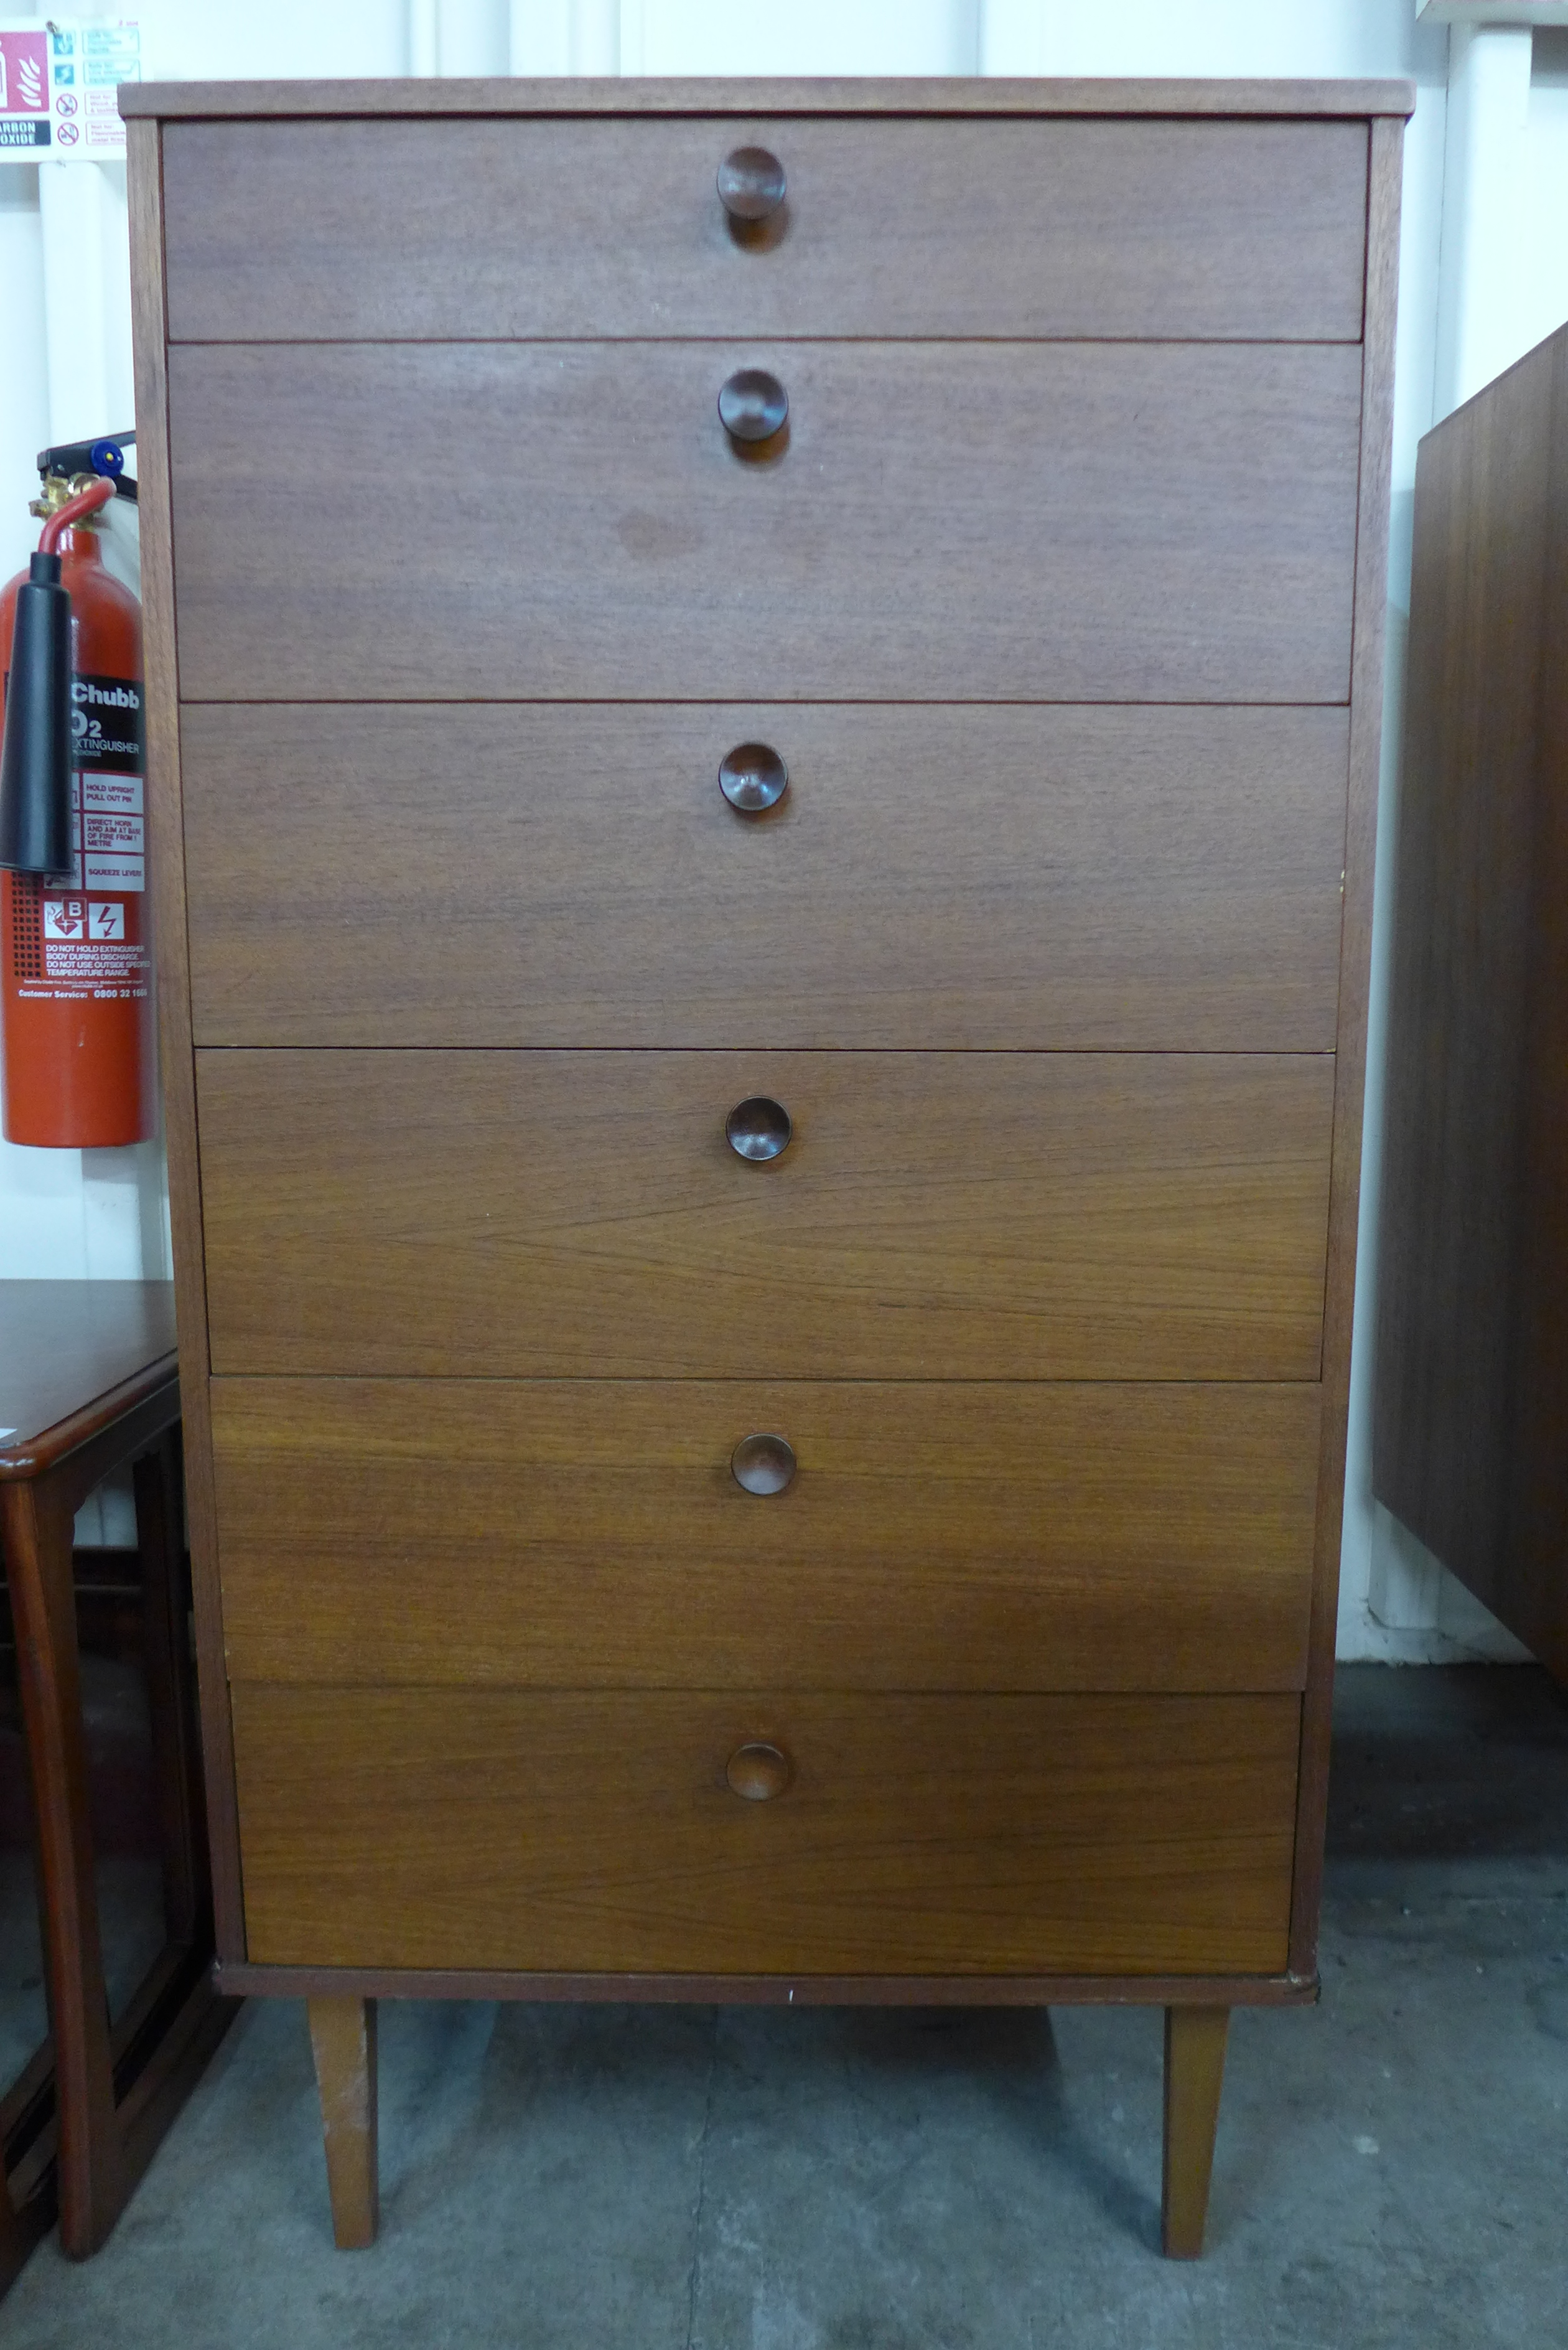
x=36 y=828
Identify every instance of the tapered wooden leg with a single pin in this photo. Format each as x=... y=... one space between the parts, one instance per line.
x=1194 y=2070
x=343 y=2040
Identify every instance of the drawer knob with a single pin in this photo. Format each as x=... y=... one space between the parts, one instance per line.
x=754 y=777
x=762 y=1464
x=753 y=406
x=750 y=184
x=758 y=1129
x=758 y=1771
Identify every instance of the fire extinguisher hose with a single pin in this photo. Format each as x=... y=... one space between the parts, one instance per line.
x=74 y=510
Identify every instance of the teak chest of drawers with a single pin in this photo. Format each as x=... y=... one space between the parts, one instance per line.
x=763 y=804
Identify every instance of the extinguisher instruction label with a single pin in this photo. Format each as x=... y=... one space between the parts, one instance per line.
x=72 y=918
x=108 y=833
x=116 y=795
x=108 y=821
x=113 y=873
x=113 y=835
x=85 y=943
x=112 y=832
x=92 y=942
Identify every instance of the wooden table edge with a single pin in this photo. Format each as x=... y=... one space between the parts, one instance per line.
x=34 y=1455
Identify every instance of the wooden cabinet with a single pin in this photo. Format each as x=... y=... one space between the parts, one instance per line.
x=763 y=1036
x=1472 y=1368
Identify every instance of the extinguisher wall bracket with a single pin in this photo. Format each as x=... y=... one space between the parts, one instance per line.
x=35 y=829
x=104 y=455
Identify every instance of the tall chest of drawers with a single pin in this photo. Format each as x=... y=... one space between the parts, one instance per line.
x=763 y=705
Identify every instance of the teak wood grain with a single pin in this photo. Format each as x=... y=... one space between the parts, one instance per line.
x=1144 y=1181
x=1473 y=1356
x=343 y=2043
x=176 y=1069
x=590 y=1534
x=998 y=521
x=1194 y=2073
x=935 y=1215
x=859 y=96
x=300 y=231
x=1082 y=878
x=955 y=1835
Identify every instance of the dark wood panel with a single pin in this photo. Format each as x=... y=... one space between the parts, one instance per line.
x=304 y=231
x=1460 y=1014
x=958 y=1215
x=1472 y=1374
x=1118 y=879
x=176 y=1071
x=1098 y=522
x=582 y=1831
x=1532 y=1595
x=844 y=94
x=589 y=1532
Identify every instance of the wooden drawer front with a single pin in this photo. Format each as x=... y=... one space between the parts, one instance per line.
x=583 y=1532
x=1121 y=878
x=564 y=1831
x=305 y=231
x=936 y=1214
x=1091 y=521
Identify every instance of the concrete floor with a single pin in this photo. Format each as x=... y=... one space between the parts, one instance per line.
x=1392 y=2165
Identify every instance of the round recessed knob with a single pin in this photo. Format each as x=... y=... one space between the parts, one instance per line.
x=758 y=1771
x=750 y=184
x=754 y=777
x=753 y=406
x=758 y=1129
x=762 y=1464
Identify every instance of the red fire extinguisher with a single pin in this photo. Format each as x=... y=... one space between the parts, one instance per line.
x=76 y=977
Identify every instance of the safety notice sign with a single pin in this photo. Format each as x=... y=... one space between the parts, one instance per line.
x=58 y=84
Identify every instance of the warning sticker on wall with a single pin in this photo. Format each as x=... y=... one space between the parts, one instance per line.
x=58 y=84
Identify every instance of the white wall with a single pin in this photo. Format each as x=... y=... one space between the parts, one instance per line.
x=1483 y=276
